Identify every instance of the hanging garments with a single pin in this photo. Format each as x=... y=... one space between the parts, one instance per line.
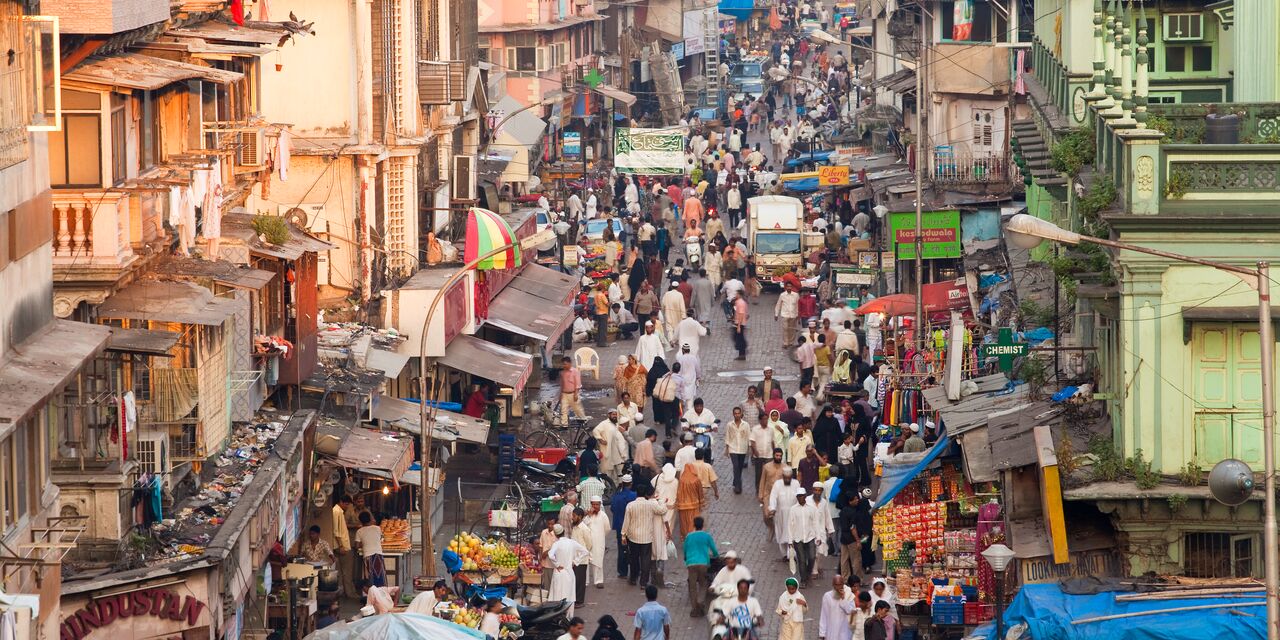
x=282 y=155
x=212 y=207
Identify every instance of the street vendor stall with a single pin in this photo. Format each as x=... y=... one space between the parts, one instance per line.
x=932 y=525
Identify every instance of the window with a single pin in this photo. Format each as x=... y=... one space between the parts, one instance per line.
x=1202 y=58
x=150 y=127
x=148 y=455
x=75 y=152
x=1175 y=59
x=983 y=129
x=483 y=42
x=8 y=485
x=119 y=140
x=1219 y=555
x=983 y=22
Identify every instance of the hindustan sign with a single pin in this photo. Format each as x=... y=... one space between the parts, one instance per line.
x=159 y=604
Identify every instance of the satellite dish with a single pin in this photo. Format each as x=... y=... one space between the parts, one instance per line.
x=1231 y=482
x=298 y=217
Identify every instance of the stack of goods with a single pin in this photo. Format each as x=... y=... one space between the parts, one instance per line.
x=510 y=626
x=395 y=536
x=458 y=613
x=921 y=524
x=528 y=557
x=484 y=555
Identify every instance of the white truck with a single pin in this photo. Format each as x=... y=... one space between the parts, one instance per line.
x=775 y=228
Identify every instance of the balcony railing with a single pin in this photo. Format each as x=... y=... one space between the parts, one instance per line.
x=970 y=169
x=91 y=229
x=1051 y=74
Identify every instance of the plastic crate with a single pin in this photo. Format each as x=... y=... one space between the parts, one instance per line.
x=972 y=613
x=970 y=592
x=948 y=613
x=546 y=455
x=986 y=612
x=551 y=506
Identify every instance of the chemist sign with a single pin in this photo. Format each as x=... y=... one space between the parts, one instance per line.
x=940 y=229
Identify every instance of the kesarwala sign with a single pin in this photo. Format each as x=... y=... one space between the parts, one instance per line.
x=101 y=613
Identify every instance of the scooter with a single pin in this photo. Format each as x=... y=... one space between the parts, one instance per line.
x=719 y=612
x=702 y=438
x=693 y=252
x=546 y=621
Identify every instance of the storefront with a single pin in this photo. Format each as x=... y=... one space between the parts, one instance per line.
x=174 y=606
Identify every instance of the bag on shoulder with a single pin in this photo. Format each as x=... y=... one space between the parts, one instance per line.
x=665 y=390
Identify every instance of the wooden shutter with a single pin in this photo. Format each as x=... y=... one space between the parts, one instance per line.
x=457 y=81
x=464 y=186
x=433 y=82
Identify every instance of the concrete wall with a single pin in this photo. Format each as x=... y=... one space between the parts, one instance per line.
x=1157 y=385
x=327 y=182
x=313 y=90
x=27 y=282
x=105 y=16
x=969 y=68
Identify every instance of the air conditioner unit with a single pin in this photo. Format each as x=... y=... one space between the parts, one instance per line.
x=1182 y=27
x=251 y=148
x=464 y=171
x=312 y=218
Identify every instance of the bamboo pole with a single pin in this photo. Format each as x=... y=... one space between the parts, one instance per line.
x=1186 y=593
x=1153 y=612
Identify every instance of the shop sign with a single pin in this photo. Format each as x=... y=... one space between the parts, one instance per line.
x=677 y=50
x=1003 y=348
x=571 y=146
x=1103 y=563
x=649 y=151
x=101 y=613
x=455 y=310
x=833 y=176
x=941 y=231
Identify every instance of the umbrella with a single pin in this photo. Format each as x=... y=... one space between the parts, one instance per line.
x=898 y=304
x=486 y=231
x=402 y=626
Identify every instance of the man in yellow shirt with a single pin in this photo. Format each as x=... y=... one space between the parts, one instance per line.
x=342 y=547
x=600 y=309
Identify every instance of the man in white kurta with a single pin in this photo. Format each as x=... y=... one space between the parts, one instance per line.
x=672 y=310
x=564 y=553
x=802 y=532
x=731 y=572
x=690 y=371
x=649 y=346
x=782 y=499
x=613 y=445
x=597 y=523
x=837 y=605
x=690 y=332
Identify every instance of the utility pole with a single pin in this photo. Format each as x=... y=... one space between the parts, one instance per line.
x=919 y=237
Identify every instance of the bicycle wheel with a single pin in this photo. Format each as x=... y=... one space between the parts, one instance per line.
x=543 y=438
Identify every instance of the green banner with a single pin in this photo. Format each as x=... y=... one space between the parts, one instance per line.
x=649 y=151
x=941 y=230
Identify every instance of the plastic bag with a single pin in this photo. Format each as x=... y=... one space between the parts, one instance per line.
x=791 y=559
x=671 y=549
x=380 y=600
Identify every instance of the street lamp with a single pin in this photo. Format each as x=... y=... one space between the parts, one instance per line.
x=1027 y=231
x=999 y=556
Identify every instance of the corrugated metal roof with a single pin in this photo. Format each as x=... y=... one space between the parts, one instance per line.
x=213 y=30
x=143 y=341
x=240 y=227
x=542 y=26
x=42 y=363
x=141 y=71
x=182 y=302
x=235 y=275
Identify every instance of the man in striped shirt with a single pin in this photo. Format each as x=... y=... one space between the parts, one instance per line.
x=638 y=533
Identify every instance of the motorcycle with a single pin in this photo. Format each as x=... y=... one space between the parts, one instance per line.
x=546 y=621
x=720 y=612
x=702 y=438
x=693 y=252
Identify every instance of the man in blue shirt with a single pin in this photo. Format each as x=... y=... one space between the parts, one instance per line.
x=653 y=621
x=699 y=548
x=618 y=505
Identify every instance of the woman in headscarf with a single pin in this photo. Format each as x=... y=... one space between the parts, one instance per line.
x=664 y=413
x=607 y=629
x=589 y=459
x=665 y=486
x=827 y=433
x=779 y=429
x=619 y=377
x=880 y=592
x=689 y=498
x=842 y=371
x=775 y=401
x=635 y=379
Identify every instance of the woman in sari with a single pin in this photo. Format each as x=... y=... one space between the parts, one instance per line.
x=689 y=497
x=620 y=377
x=634 y=379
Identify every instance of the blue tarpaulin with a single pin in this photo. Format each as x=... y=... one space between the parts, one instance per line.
x=896 y=476
x=1048 y=613
x=803 y=185
x=740 y=9
x=812 y=156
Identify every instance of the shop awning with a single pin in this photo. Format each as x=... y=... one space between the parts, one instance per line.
x=388 y=362
x=42 y=363
x=900 y=81
x=545 y=283
x=142 y=341
x=220 y=271
x=369 y=449
x=406 y=416
x=616 y=93
x=897 y=476
x=488 y=360
x=528 y=315
x=141 y=71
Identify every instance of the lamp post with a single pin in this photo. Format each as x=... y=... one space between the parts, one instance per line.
x=1027 y=231
x=999 y=556
x=427 y=411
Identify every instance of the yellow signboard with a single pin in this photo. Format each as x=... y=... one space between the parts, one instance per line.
x=833 y=176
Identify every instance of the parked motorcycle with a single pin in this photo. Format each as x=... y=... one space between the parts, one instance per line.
x=546 y=621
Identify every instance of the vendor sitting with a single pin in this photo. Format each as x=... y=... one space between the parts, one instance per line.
x=425 y=602
x=583 y=328
x=315 y=549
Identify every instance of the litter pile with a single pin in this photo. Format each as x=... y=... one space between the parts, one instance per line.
x=196 y=520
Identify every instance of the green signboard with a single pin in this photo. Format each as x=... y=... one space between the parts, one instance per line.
x=1004 y=349
x=941 y=230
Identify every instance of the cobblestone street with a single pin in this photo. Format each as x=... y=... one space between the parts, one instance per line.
x=735 y=520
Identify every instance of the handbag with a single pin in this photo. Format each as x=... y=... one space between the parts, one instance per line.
x=665 y=390
x=504 y=517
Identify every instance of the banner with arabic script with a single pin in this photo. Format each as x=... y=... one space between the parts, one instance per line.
x=649 y=151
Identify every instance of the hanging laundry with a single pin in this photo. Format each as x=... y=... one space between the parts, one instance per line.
x=282 y=155
x=175 y=206
x=186 y=226
x=212 y=207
